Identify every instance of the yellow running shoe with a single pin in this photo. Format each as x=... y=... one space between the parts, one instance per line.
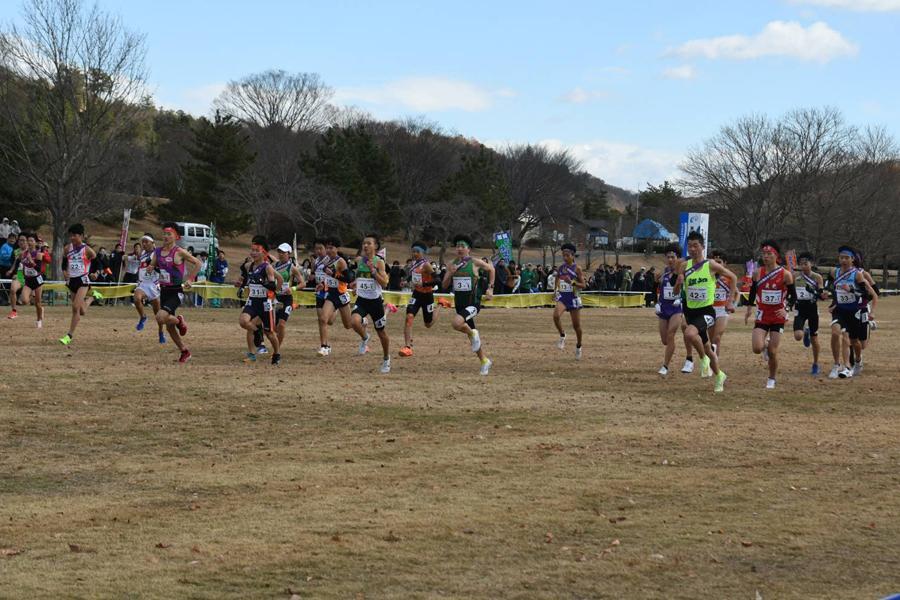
x=65 y=340
x=720 y=381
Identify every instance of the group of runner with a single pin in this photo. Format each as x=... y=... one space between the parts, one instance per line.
x=696 y=296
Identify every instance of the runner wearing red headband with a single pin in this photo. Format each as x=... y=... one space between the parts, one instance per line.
x=772 y=289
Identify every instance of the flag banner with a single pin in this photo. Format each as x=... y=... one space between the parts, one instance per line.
x=690 y=222
x=503 y=244
x=790 y=259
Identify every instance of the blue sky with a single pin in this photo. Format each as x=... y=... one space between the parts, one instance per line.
x=628 y=86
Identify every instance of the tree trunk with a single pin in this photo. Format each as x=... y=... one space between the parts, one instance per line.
x=60 y=229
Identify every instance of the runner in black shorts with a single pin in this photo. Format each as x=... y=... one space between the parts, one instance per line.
x=76 y=265
x=809 y=286
x=423 y=280
x=262 y=281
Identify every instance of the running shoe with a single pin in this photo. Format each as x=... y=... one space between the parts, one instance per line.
x=835 y=372
x=770 y=384
x=688 y=366
x=97 y=295
x=40 y=324
x=276 y=359
x=386 y=366
x=486 y=366
x=807 y=339
x=720 y=381
x=561 y=343
x=182 y=326
x=704 y=367
x=12 y=315
x=857 y=369
x=322 y=351
x=65 y=340
x=185 y=356
x=814 y=370
x=663 y=371
x=845 y=373
x=261 y=349
x=140 y=324
x=873 y=325
x=249 y=358
x=444 y=302
x=364 y=345
x=406 y=351
x=475 y=338
x=577 y=352
x=162 y=337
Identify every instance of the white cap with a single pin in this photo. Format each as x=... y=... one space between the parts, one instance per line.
x=285 y=247
x=147 y=237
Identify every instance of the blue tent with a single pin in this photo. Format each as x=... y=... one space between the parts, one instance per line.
x=648 y=229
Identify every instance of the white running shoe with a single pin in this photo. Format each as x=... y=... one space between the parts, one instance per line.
x=386 y=366
x=857 y=369
x=475 y=338
x=364 y=345
x=577 y=353
x=688 y=366
x=846 y=373
x=40 y=324
x=835 y=371
x=262 y=350
x=562 y=342
x=323 y=351
x=663 y=371
x=486 y=366
x=770 y=384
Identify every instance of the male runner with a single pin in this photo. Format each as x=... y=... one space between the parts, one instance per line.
x=569 y=280
x=847 y=288
x=171 y=262
x=668 y=309
x=424 y=281
x=320 y=261
x=809 y=285
x=76 y=264
x=723 y=293
x=772 y=289
x=148 y=286
x=464 y=273
x=259 y=310
x=371 y=278
x=290 y=276
x=34 y=263
x=336 y=276
x=696 y=278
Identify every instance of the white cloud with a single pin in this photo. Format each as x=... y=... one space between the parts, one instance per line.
x=857 y=5
x=620 y=164
x=581 y=96
x=197 y=100
x=680 y=72
x=817 y=43
x=426 y=94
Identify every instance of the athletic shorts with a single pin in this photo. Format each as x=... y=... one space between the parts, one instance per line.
x=34 y=283
x=770 y=327
x=864 y=325
x=807 y=315
x=76 y=283
x=320 y=299
x=337 y=299
x=701 y=318
x=170 y=299
x=848 y=323
x=721 y=313
x=423 y=301
x=260 y=307
x=467 y=307
x=371 y=307
x=283 y=313
x=569 y=300
x=668 y=310
x=149 y=289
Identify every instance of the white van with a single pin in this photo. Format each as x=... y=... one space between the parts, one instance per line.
x=195 y=237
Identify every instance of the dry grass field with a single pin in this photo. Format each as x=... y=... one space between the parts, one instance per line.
x=125 y=475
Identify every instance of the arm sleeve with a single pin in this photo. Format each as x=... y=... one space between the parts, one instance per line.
x=752 y=300
x=791 y=296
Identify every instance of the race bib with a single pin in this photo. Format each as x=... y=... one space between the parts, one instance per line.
x=365 y=285
x=320 y=277
x=565 y=286
x=285 y=288
x=770 y=297
x=165 y=277
x=462 y=284
x=668 y=292
x=31 y=272
x=721 y=295
x=698 y=293
x=576 y=303
x=846 y=297
x=40 y=280
x=330 y=282
x=864 y=316
x=417 y=279
x=803 y=293
x=257 y=291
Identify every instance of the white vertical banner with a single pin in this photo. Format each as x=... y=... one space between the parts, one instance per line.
x=691 y=222
x=123 y=240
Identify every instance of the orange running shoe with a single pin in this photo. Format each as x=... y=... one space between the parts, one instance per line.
x=405 y=351
x=443 y=302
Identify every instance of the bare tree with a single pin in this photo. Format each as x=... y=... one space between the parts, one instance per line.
x=298 y=101
x=70 y=82
x=542 y=186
